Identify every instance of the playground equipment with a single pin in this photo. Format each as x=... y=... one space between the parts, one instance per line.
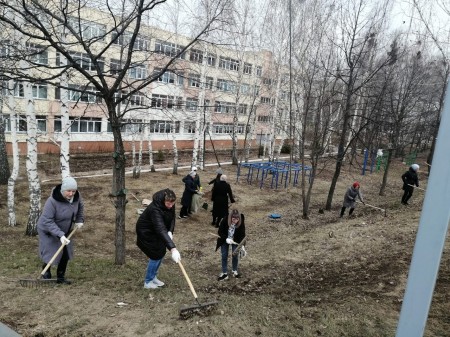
x=282 y=173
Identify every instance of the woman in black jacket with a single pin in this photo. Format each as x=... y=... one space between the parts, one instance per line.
x=220 y=194
x=154 y=230
x=409 y=180
x=231 y=232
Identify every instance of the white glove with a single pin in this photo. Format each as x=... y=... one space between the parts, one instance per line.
x=229 y=241
x=64 y=240
x=176 y=257
x=79 y=225
x=170 y=235
x=242 y=252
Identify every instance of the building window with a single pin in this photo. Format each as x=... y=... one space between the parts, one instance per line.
x=138 y=72
x=189 y=127
x=258 y=71
x=264 y=119
x=248 y=68
x=224 y=107
x=80 y=94
x=157 y=126
x=164 y=101
x=21 y=123
x=225 y=85
x=38 y=54
x=124 y=39
x=209 y=83
x=228 y=63
x=211 y=60
x=39 y=90
x=169 y=49
x=269 y=81
x=115 y=67
x=245 y=89
x=267 y=100
x=194 y=80
x=180 y=79
x=83 y=60
x=228 y=128
x=191 y=104
x=136 y=99
x=242 y=109
x=196 y=56
x=81 y=125
x=88 y=29
x=132 y=126
x=167 y=77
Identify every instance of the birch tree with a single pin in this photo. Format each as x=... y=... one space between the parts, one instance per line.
x=117 y=26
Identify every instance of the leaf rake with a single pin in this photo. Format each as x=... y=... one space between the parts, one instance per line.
x=40 y=282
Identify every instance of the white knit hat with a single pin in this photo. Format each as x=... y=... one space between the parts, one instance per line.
x=69 y=183
x=415 y=167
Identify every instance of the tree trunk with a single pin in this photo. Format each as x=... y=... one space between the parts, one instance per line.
x=175 y=150
x=150 y=153
x=386 y=172
x=118 y=186
x=4 y=165
x=34 y=186
x=15 y=155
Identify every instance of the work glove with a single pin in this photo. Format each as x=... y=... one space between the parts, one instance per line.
x=242 y=252
x=64 y=240
x=176 y=257
x=170 y=235
x=79 y=225
x=229 y=241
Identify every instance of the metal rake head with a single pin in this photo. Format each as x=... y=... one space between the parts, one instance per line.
x=37 y=283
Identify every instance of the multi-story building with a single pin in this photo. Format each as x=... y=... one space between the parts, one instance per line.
x=207 y=85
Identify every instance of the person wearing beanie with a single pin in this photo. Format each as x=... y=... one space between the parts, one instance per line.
x=62 y=212
x=410 y=179
x=352 y=193
x=220 y=195
x=189 y=191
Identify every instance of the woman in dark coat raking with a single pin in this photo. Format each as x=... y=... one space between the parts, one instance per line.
x=154 y=230
x=231 y=232
x=213 y=182
x=220 y=194
x=189 y=191
x=63 y=210
x=410 y=180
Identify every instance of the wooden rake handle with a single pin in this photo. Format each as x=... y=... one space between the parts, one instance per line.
x=57 y=252
x=188 y=280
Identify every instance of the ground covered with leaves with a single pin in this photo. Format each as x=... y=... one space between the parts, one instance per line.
x=322 y=276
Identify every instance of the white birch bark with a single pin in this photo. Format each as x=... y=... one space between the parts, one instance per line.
x=15 y=156
x=150 y=151
x=175 y=149
x=34 y=186
x=64 y=155
x=141 y=149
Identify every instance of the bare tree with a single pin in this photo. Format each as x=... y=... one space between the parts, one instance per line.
x=89 y=52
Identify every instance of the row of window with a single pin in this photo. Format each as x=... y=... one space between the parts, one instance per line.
x=94 y=125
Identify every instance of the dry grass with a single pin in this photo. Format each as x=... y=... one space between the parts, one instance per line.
x=318 y=277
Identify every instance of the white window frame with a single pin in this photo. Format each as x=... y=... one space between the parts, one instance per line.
x=138 y=72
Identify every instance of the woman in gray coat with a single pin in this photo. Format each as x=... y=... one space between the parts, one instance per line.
x=63 y=210
x=352 y=193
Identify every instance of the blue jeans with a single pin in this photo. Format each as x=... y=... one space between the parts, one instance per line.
x=234 y=259
x=152 y=269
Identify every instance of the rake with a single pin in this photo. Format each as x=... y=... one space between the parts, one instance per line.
x=199 y=308
x=40 y=282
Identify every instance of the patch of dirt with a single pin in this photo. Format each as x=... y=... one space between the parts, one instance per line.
x=324 y=276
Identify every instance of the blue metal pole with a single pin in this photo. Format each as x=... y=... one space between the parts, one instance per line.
x=431 y=236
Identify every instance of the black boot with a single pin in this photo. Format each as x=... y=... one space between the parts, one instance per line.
x=47 y=275
x=61 y=279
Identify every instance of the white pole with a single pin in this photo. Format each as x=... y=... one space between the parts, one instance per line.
x=431 y=236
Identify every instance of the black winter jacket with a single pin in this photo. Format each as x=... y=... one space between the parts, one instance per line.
x=410 y=178
x=152 y=227
x=239 y=232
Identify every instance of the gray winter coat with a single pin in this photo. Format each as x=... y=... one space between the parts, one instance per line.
x=350 y=197
x=56 y=221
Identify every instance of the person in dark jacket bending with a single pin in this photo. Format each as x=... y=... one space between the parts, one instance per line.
x=63 y=210
x=213 y=182
x=220 y=194
x=231 y=232
x=410 y=180
x=154 y=230
x=189 y=191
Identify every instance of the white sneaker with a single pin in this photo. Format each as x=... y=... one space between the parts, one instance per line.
x=157 y=282
x=150 y=285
